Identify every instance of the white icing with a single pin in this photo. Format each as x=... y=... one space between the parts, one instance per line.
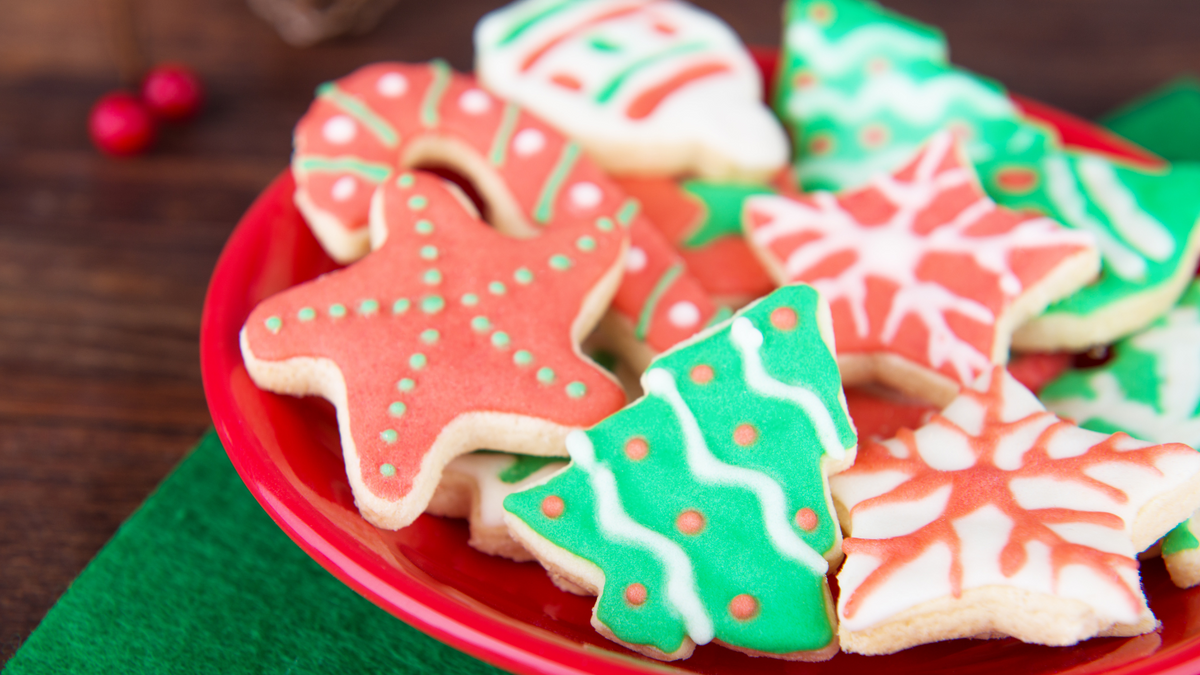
x=528 y=142
x=339 y=129
x=851 y=489
x=832 y=58
x=945 y=448
x=1136 y=227
x=925 y=578
x=635 y=260
x=343 y=188
x=585 y=195
x=683 y=314
x=1010 y=450
x=900 y=519
x=967 y=413
x=708 y=469
x=1107 y=599
x=485 y=469
x=896 y=93
x=748 y=341
x=475 y=102
x=616 y=524
x=392 y=85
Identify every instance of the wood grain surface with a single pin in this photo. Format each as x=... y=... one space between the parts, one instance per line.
x=104 y=263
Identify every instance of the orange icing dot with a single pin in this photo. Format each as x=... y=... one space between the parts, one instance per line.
x=784 y=318
x=745 y=434
x=690 y=522
x=1017 y=179
x=636 y=448
x=702 y=374
x=552 y=506
x=806 y=519
x=566 y=81
x=635 y=594
x=743 y=607
x=874 y=136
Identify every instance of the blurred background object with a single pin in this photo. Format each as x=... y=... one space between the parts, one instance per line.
x=306 y=22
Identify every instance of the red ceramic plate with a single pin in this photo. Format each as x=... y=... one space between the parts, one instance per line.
x=509 y=614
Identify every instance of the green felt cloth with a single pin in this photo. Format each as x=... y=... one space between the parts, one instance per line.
x=1165 y=121
x=199 y=580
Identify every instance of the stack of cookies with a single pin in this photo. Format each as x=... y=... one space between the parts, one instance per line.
x=806 y=309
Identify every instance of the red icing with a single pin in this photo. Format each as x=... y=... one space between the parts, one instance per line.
x=466 y=369
x=745 y=434
x=702 y=374
x=635 y=594
x=985 y=484
x=784 y=318
x=955 y=274
x=743 y=607
x=1017 y=179
x=648 y=101
x=636 y=448
x=690 y=522
x=878 y=415
x=524 y=176
x=580 y=28
x=806 y=519
x=566 y=81
x=553 y=506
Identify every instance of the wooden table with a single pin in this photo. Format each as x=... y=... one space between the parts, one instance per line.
x=104 y=263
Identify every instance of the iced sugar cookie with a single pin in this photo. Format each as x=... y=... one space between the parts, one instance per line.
x=703 y=221
x=474 y=487
x=999 y=519
x=649 y=87
x=1150 y=389
x=365 y=127
x=701 y=511
x=926 y=277
x=449 y=337
x=862 y=88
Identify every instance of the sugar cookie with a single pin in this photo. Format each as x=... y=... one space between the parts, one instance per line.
x=701 y=511
x=449 y=337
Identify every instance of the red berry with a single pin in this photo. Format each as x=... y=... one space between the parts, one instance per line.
x=172 y=92
x=120 y=124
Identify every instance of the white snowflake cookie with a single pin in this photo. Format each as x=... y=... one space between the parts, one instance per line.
x=647 y=87
x=998 y=518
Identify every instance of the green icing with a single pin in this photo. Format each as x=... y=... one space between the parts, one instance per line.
x=375 y=173
x=722 y=204
x=523 y=467
x=1180 y=539
x=524 y=23
x=500 y=141
x=361 y=112
x=1163 y=121
x=610 y=89
x=660 y=287
x=544 y=210
x=733 y=553
x=433 y=95
x=862 y=89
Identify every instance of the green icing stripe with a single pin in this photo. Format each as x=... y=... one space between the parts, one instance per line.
x=525 y=466
x=359 y=111
x=722 y=210
x=1180 y=539
x=628 y=210
x=718 y=316
x=647 y=314
x=545 y=203
x=433 y=95
x=500 y=141
x=528 y=22
x=376 y=173
x=610 y=89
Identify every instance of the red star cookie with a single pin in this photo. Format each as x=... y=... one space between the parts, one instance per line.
x=998 y=518
x=447 y=338
x=927 y=278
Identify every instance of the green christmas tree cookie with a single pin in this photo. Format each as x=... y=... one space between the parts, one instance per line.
x=862 y=89
x=1150 y=390
x=702 y=511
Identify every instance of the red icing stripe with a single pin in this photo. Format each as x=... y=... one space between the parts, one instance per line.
x=538 y=53
x=647 y=101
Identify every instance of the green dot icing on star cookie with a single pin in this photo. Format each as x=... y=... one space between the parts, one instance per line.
x=545 y=375
x=337 y=310
x=401 y=306
x=523 y=275
x=432 y=304
x=387 y=470
x=417 y=361
x=470 y=299
x=604 y=224
x=500 y=339
x=560 y=262
x=522 y=357
x=497 y=288
x=668 y=465
x=405 y=180
x=397 y=408
x=306 y=314
x=405 y=384
x=417 y=202
x=429 y=253
x=430 y=336
x=273 y=323
x=368 y=307
x=388 y=435
x=432 y=277
x=481 y=324
x=585 y=243
x=423 y=227
x=576 y=389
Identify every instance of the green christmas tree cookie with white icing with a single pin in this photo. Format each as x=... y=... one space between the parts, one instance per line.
x=862 y=88
x=1150 y=390
x=702 y=511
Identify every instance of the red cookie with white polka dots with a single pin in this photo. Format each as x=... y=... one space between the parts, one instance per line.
x=447 y=338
